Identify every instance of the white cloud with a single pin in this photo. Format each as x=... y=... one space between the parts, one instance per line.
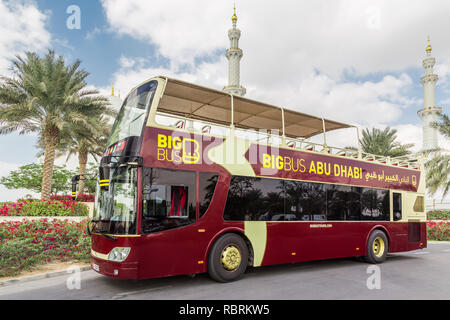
x=409 y=133
x=442 y=69
x=133 y=72
x=126 y=62
x=295 y=53
x=291 y=38
x=174 y=26
x=90 y=35
x=22 y=27
x=362 y=103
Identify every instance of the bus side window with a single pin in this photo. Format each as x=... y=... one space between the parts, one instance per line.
x=207 y=185
x=397 y=206
x=375 y=204
x=169 y=193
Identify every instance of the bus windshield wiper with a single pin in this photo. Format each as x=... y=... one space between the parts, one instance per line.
x=110 y=237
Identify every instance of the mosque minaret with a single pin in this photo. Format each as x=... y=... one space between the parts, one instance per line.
x=115 y=101
x=234 y=55
x=430 y=113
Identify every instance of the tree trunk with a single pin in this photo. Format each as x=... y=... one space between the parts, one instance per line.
x=49 y=159
x=82 y=161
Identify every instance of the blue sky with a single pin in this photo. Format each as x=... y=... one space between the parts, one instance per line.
x=98 y=49
x=353 y=61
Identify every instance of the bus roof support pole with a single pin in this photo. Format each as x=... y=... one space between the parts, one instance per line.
x=283 y=137
x=325 y=147
x=232 y=116
x=359 y=143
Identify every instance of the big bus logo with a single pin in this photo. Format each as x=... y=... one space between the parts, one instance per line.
x=414 y=180
x=178 y=149
x=190 y=151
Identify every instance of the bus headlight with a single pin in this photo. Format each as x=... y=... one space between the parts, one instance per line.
x=119 y=254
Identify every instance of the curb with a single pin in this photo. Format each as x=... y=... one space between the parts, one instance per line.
x=40 y=276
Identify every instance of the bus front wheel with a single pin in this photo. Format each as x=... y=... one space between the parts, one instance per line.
x=228 y=258
x=377 y=247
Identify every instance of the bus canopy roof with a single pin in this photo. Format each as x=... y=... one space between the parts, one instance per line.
x=205 y=104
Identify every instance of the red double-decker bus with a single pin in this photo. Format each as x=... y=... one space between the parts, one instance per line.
x=197 y=180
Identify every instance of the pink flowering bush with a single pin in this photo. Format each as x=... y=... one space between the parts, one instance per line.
x=438 y=214
x=44 y=208
x=438 y=230
x=9 y=209
x=86 y=197
x=24 y=244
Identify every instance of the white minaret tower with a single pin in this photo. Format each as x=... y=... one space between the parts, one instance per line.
x=234 y=55
x=430 y=112
x=115 y=101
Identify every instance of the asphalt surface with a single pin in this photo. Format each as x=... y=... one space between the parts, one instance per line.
x=422 y=274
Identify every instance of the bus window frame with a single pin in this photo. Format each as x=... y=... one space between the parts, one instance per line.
x=147 y=112
x=191 y=218
x=394 y=193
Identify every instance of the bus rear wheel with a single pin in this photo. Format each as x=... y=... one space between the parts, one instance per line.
x=377 y=247
x=228 y=258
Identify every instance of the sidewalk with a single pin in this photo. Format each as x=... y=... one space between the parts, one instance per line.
x=45 y=271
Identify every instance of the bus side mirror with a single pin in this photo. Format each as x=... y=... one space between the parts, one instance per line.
x=103 y=179
x=75 y=180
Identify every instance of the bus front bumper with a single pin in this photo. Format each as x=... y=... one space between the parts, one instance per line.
x=119 y=270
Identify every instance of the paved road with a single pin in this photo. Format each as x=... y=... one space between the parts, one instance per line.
x=423 y=274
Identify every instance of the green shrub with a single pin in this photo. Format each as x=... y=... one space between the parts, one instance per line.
x=44 y=209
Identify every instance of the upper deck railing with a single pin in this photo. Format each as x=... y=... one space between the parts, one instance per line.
x=273 y=138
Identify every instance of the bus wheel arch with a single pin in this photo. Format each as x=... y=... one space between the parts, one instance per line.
x=228 y=256
x=382 y=228
x=377 y=245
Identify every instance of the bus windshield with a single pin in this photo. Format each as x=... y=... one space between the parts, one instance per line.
x=132 y=115
x=115 y=206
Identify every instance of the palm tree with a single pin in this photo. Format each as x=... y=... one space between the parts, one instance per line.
x=383 y=143
x=47 y=97
x=444 y=125
x=84 y=143
x=438 y=167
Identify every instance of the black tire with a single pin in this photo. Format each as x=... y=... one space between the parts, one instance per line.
x=377 y=247
x=226 y=249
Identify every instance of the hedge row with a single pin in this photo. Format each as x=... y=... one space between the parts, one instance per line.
x=80 y=197
x=438 y=215
x=37 y=208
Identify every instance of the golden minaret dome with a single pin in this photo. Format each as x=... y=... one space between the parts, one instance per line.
x=234 y=17
x=428 y=49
